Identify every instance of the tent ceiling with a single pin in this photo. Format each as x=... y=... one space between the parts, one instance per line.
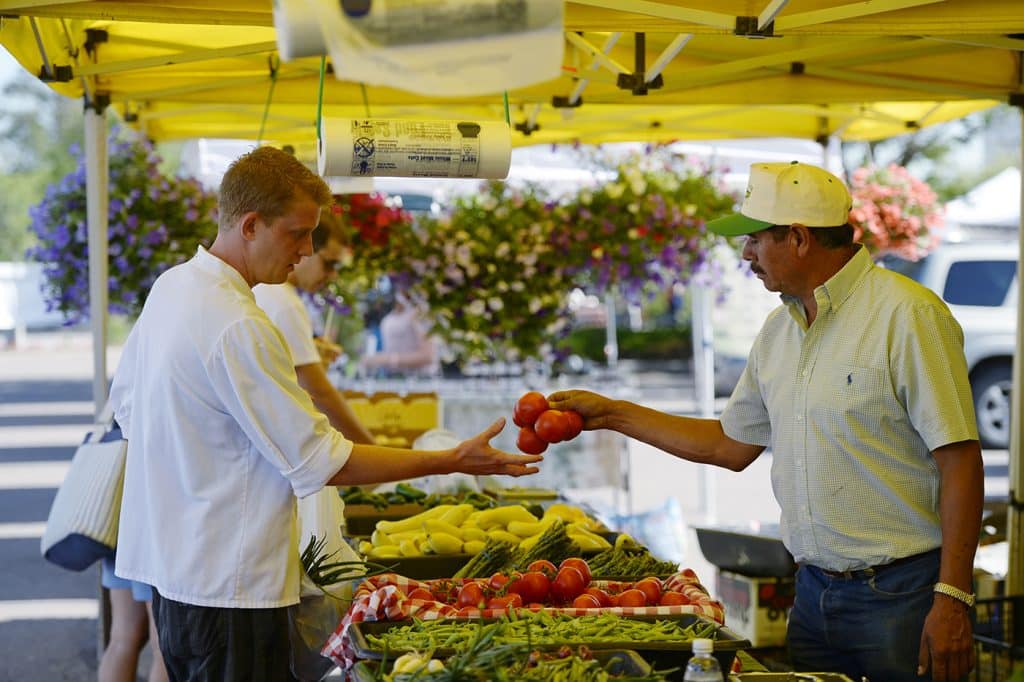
x=859 y=70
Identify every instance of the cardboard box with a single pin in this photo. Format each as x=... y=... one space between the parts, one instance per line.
x=757 y=608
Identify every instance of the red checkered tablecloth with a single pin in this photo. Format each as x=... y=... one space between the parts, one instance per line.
x=385 y=597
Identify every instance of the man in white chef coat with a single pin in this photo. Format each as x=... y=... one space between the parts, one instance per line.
x=222 y=438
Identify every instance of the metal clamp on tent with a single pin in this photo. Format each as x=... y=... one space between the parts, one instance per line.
x=638 y=82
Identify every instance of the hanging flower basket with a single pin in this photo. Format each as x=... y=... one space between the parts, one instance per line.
x=894 y=212
x=154 y=222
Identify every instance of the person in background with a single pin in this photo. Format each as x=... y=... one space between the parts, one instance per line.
x=284 y=307
x=222 y=438
x=408 y=347
x=131 y=625
x=858 y=383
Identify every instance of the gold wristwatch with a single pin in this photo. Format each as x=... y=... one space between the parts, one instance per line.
x=955 y=593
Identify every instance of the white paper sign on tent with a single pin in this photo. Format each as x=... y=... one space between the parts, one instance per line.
x=443 y=47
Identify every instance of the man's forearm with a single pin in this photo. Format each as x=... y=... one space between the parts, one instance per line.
x=962 y=493
x=689 y=438
x=375 y=464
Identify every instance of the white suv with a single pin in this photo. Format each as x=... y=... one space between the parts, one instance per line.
x=978 y=280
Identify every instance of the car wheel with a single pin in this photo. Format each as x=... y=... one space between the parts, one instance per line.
x=991 y=388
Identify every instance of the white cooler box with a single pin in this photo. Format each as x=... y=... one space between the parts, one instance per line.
x=756 y=608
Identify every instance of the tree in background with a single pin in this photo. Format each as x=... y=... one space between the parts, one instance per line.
x=36 y=128
x=952 y=158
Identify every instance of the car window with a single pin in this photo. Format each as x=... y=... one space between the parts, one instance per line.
x=910 y=268
x=979 y=282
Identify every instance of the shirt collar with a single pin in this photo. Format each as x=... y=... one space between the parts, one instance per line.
x=212 y=264
x=839 y=286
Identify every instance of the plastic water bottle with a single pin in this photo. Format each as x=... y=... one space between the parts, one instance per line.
x=703 y=667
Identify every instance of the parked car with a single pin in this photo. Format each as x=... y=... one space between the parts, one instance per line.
x=979 y=282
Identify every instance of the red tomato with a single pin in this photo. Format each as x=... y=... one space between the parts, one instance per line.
x=471 y=594
x=580 y=565
x=497 y=581
x=650 y=587
x=499 y=602
x=567 y=585
x=552 y=426
x=602 y=597
x=544 y=566
x=613 y=599
x=532 y=586
x=633 y=597
x=535 y=606
x=529 y=442
x=420 y=593
x=586 y=601
x=671 y=598
x=575 y=424
x=528 y=408
x=514 y=600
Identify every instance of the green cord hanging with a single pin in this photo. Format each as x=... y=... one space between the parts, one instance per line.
x=366 y=99
x=508 y=117
x=320 y=96
x=275 y=63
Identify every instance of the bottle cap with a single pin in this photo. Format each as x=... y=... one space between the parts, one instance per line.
x=703 y=646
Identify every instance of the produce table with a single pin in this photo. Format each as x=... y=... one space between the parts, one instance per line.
x=384 y=597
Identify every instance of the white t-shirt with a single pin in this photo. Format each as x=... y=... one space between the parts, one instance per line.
x=221 y=439
x=284 y=307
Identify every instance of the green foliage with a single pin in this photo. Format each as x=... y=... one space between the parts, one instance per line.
x=36 y=128
x=670 y=343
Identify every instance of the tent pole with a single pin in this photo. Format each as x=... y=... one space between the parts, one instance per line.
x=96 y=192
x=702 y=333
x=1014 y=535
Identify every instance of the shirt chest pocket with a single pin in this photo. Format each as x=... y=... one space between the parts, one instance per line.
x=850 y=390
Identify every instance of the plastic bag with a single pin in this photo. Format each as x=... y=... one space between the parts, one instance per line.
x=311 y=622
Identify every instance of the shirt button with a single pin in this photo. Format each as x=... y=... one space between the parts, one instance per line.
x=804 y=373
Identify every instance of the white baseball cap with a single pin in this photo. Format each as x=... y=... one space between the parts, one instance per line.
x=787 y=193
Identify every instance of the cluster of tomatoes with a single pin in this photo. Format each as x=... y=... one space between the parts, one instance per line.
x=539 y=424
x=544 y=584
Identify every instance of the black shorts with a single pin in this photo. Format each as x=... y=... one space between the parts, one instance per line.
x=211 y=644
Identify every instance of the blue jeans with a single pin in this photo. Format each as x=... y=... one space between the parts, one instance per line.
x=868 y=625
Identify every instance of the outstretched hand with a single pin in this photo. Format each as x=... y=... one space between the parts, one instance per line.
x=476 y=456
x=594 y=408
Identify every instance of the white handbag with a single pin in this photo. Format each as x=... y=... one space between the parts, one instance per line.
x=82 y=526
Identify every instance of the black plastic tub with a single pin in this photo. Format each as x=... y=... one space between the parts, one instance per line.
x=757 y=555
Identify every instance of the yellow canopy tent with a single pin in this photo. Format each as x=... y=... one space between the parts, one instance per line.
x=859 y=70
x=633 y=70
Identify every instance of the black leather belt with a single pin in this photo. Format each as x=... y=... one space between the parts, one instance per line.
x=875 y=570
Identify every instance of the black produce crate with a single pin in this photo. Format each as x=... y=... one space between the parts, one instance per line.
x=660 y=655
x=760 y=556
x=998 y=636
x=361 y=519
x=623 y=664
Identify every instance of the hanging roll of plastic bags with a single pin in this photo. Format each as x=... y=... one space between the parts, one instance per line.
x=414 y=149
x=430 y=47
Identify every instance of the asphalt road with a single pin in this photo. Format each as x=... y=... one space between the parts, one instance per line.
x=48 y=626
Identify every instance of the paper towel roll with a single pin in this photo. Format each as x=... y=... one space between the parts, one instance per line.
x=414 y=149
x=298 y=30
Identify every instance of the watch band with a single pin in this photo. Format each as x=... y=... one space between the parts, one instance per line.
x=955 y=593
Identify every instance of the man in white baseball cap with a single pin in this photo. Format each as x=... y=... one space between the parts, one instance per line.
x=858 y=384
